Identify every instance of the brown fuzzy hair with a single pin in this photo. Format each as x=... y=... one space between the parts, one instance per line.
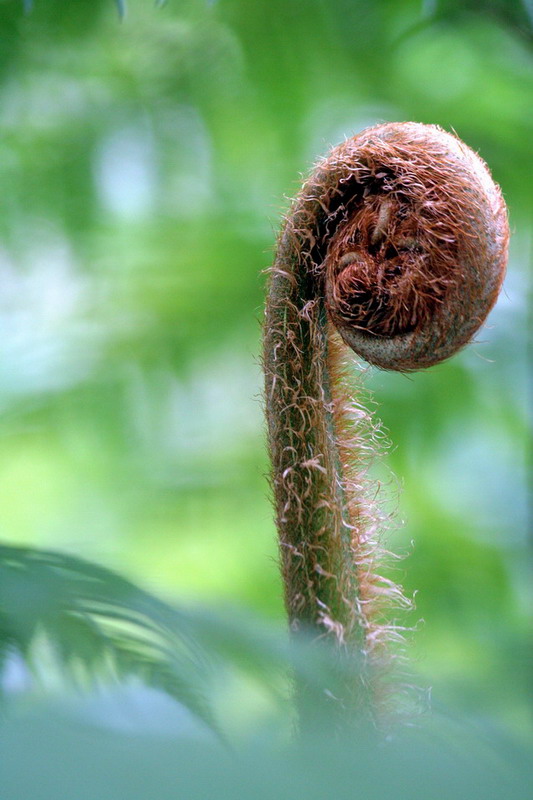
x=398 y=241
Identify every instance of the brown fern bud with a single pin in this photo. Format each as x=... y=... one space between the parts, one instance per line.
x=419 y=240
x=399 y=238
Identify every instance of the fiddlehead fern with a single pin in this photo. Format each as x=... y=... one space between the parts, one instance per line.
x=398 y=240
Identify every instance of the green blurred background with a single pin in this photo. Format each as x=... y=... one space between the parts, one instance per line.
x=145 y=164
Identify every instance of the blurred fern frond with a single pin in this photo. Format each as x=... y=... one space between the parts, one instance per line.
x=98 y=623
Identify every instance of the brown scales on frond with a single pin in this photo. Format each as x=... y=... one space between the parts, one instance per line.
x=399 y=237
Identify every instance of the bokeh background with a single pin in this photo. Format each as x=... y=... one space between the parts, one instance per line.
x=145 y=163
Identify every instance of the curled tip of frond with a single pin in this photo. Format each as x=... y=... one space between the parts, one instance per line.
x=409 y=232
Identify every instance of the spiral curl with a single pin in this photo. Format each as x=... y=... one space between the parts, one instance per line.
x=410 y=235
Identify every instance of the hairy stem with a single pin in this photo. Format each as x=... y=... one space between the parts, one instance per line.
x=321 y=525
x=315 y=537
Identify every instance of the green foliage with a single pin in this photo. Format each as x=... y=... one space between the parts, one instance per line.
x=52 y=755
x=96 y=623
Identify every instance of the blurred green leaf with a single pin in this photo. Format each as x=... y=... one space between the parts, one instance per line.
x=51 y=753
x=95 y=622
